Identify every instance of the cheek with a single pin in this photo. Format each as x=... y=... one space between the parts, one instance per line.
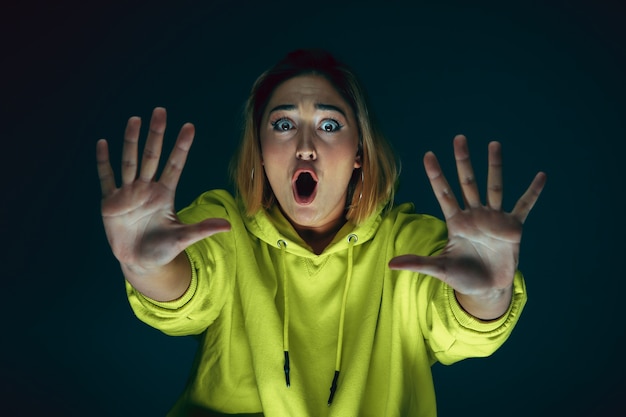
x=273 y=158
x=347 y=154
x=272 y=149
x=273 y=161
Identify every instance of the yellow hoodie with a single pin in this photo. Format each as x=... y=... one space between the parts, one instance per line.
x=342 y=310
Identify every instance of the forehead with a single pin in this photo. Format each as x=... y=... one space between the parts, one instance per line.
x=306 y=88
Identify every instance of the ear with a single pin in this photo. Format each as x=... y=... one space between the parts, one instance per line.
x=357 y=161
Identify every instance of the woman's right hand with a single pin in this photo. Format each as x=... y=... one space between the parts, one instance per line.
x=139 y=218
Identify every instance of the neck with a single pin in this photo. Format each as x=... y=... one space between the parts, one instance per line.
x=319 y=238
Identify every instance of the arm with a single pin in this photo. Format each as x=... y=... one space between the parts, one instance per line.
x=488 y=306
x=163 y=283
x=482 y=254
x=141 y=225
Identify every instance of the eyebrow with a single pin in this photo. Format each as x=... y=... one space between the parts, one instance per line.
x=319 y=106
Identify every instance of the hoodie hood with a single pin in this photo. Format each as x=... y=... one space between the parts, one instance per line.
x=266 y=224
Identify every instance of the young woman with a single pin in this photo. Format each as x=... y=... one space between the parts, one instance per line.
x=322 y=298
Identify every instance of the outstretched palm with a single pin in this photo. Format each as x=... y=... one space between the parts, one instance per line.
x=139 y=218
x=483 y=241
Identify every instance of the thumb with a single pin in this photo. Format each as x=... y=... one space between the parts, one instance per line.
x=429 y=265
x=198 y=231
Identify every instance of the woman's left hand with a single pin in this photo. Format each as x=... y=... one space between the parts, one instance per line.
x=482 y=253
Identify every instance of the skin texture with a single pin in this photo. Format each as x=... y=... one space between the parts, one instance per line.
x=308 y=126
x=145 y=235
x=141 y=225
x=482 y=253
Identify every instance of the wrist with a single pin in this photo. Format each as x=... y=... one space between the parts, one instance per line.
x=161 y=283
x=486 y=306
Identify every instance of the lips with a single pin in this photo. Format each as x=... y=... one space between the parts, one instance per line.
x=304 y=184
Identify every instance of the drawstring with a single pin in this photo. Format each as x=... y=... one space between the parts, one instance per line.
x=283 y=245
x=352 y=239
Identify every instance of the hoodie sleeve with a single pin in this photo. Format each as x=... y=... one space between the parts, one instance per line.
x=450 y=333
x=453 y=334
x=200 y=305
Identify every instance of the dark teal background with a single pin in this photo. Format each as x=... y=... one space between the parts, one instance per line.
x=544 y=78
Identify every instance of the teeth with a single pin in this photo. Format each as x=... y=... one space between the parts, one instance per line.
x=305 y=184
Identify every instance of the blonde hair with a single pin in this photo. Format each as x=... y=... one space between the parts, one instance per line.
x=371 y=186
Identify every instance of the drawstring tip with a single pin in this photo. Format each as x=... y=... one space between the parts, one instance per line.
x=286 y=368
x=333 y=388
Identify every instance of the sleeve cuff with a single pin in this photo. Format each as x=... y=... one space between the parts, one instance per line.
x=470 y=322
x=183 y=299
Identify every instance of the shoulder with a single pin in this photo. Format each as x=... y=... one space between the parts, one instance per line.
x=404 y=215
x=213 y=203
x=215 y=197
x=413 y=232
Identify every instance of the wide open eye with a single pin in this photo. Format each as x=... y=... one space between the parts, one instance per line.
x=282 y=125
x=330 y=125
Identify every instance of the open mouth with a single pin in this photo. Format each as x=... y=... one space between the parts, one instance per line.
x=305 y=187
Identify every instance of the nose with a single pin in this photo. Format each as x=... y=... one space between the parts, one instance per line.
x=306 y=150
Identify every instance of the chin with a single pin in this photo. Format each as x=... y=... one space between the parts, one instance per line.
x=305 y=216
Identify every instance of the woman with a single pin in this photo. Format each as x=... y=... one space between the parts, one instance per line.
x=319 y=283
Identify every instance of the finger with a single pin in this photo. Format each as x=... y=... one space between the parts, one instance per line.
x=429 y=265
x=471 y=196
x=494 y=176
x=192 y=233
x=129 y=152
x=440 y=186
x=528 y=200
x=154 y=143
x=178 y=157
x=105 y=172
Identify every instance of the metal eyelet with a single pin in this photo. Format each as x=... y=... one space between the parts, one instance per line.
x=281 y=244
x=352 y=238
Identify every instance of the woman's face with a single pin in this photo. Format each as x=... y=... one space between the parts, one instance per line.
x=309 y=144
